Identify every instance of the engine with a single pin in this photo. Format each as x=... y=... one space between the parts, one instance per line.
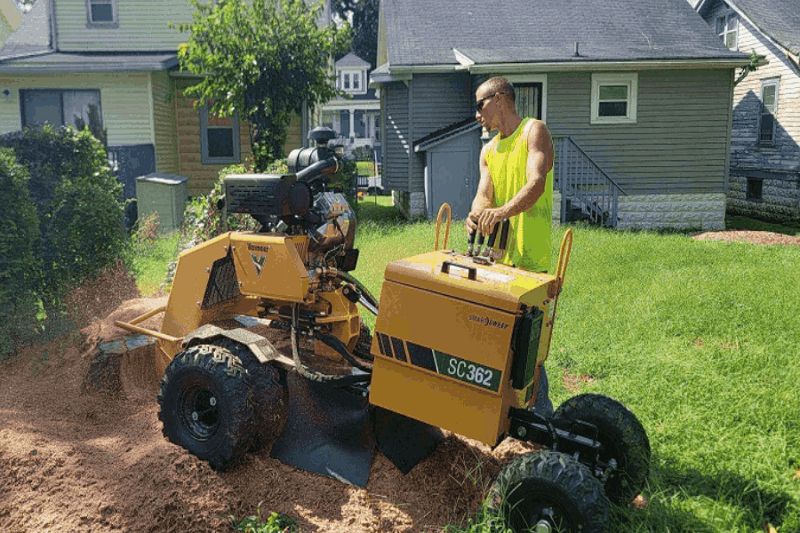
x=299 y=203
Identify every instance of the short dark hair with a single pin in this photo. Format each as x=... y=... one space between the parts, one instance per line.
x=499 y=84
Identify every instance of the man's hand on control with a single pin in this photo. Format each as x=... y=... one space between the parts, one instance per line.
x=489 y=218
x=472 y=220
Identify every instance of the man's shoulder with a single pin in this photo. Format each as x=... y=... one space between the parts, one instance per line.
x=536 y=130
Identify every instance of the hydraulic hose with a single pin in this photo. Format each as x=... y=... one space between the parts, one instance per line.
x=313 y=375
x=367 y=299
x=341 y=349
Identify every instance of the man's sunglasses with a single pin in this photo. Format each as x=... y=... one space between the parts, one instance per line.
x=479 y=103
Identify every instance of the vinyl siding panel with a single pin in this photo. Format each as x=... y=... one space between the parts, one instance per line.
x=164 y=125
x=784 y=153
x=143 y=25
x=438 y=100
x=124 y=99
x=394 y=98
x=679 y=143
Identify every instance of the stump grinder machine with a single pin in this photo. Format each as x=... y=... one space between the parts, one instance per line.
x=458 y=345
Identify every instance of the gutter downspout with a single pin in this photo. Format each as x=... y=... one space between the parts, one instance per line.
x=53 y=27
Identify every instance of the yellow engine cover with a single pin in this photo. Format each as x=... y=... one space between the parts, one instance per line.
x=443 y=342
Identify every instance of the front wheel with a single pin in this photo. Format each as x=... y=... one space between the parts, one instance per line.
x=622 y=439
x=548 y=491
x=204 y=405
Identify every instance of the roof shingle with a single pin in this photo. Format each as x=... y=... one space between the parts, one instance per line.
x=546 y=30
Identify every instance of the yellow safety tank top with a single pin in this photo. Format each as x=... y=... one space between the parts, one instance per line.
x=529 y=238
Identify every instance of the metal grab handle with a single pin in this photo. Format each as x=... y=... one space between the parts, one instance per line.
x=564 y=253
x=472 y=272
x=445 y=208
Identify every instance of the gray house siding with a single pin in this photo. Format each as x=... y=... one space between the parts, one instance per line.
x=672 y=161
x=397 y=144
x=437 y=101
x=773 y=168
x=679 y=143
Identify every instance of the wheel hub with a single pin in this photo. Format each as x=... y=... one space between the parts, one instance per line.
x=199 y=413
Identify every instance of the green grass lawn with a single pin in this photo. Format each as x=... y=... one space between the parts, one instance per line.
x=700 y=339
x=365 y=168
x=148 y=261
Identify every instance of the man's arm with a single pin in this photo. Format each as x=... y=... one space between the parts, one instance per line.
x=540 y=161
x=484 y=197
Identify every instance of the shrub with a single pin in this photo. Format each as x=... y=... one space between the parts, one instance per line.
x=20 y=265
x=362 y=153
x=78 y=200
x=202 y=218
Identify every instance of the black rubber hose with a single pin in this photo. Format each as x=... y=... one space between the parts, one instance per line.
x=341 y=349
x=313 y=375
x=370 y=299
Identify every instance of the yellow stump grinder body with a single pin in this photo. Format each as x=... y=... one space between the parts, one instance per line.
x=459 y=344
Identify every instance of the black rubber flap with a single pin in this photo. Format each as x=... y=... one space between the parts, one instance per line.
x=404 y=441
x=328 y=431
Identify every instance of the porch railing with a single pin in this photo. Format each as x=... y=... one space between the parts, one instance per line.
x=587 y=192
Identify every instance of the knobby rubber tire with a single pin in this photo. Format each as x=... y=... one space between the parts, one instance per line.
x=269 y=394
x=547 y=479
x=622 y=437
x=218 y=373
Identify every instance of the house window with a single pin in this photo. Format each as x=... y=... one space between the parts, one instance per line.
x=769 y=104
x=728 y=30
x=357 y=81
x=346 y=78
x=101 y=13
x=755 y=187
x=219 y=139
x=528 y=99
x=77 y=108
x=614 y=98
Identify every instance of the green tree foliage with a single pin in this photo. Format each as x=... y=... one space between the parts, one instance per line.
x=78 y=202
x=19 y=262
x=263 y=59
x=364 y=17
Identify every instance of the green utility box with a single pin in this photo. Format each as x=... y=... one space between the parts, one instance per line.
x=164 y=194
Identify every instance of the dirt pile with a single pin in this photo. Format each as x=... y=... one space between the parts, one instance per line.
x=752 y=237
x=75 y=460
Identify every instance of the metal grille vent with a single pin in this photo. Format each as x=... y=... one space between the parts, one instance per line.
x=222 y=283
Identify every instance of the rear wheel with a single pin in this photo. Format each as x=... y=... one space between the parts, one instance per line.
x=204 y=405
x=622 y=439
x=548 y=491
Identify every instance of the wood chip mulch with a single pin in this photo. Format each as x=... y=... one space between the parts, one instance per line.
x=752 y=237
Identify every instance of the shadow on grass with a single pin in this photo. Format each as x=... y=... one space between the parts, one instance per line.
x=759 y=505
x=735 y=222
x=380 y=213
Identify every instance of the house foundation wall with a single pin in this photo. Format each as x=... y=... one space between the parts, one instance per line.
x=410 y=204
x=672 y=211
x=780 y=199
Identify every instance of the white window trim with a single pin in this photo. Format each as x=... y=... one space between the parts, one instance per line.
x=533 y=78
x=767 y=82
x=102 y=24
x=726 y=29
x=362 y=85
x=631 y=79
x=205 y=159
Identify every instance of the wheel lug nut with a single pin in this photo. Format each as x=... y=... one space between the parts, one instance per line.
x=194 y=415
x=212 y=401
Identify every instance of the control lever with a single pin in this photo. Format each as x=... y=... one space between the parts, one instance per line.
x=471 y=242
x=489 y=252
x=481 y=238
